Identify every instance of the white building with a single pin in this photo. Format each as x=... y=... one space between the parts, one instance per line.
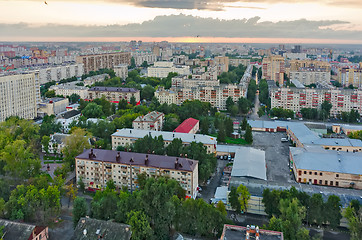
x=19 y=96
x=67 y=89
x=57 y=73
x=151 y=121
x=166 y=96
x=310 y=76
x=89 y=81
x=140 y=58
x=121 y=70
x=162 y=69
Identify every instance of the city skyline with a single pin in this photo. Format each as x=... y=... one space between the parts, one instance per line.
x=263 y=21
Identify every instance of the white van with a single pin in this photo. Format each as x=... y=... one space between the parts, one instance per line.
x=284 y=139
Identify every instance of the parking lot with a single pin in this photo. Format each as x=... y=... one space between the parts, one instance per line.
x=276 y=155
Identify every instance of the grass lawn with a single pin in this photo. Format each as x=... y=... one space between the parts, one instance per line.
x=230 y=140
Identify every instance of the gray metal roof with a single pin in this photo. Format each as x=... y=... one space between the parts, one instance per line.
x=221 y=193
x=339 y=142
x=167 y=136
x=327 y=160
x=249 y=162
x=15 y=230
x=226 y=148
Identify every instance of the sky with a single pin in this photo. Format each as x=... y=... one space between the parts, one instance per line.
x=289 y=21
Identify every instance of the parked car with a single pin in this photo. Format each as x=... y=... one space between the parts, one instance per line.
x=284 y=139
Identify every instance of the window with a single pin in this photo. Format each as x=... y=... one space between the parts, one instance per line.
x=320 y=174
x=310 y=173
x=299 y=179
x=331 y=183
x=305 y=172
x=315 y=173
x=320 y=182
x=326 y=182
x=337 y=175
x=337 y=183
x=299 y=172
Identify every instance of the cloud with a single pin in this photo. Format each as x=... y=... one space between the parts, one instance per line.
x=218 y=5
x=186 y=25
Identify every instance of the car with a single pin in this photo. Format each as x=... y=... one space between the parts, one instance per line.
x=288 y=119
x=300 y=119
x=284 y=140
x=274 y=118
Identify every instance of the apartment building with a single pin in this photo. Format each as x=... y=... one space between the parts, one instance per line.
x=140 y=58
x=125 y=137
x=330 y=169
x=222 y=64
x=166 y=96
x=237 y=61
x=104 y=60
x=342 y=100
x=215 y=95
x=19 y=95
x=57 y=73
x=296 y=65
x=121 y=71
x=162 y=69
x=309 y=76
x=350 y=76
x=184 y=81
x=53 y=106
x=97 y=166
x=114 y=94
x=152 y=121
x=67 y=89
x=273 y=68
x=89 y=81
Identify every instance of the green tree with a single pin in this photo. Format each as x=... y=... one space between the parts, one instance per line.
x=133 y=101
x=133 y=63
x=221 y=207
x=244 y=105
x=234 y=199
x=122 y=104
x=271 y=202
x=74 y=98
x=229 y=127
x=332 y=211
x=261 y=112
x=221 y=134
x=229 y=103
x=234 y=110
x=147 y=144
x=92 y=110
x=326 y=106
x=175 y=147
x=243 y=197
x=204 y=126
x=74 y=145
x=354 y=218
x=315 y=210
x=45 y=142
x=49 y=126
x=244 y=124
x=81 y=184
x=147 y=92
x=80 y=210
x=50 y=94
x=248 y=135
x=140 y=225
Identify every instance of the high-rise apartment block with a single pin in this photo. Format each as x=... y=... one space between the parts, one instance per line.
x=342 y=100
x=274 y=68
x=19 y=96
x=114 y=94
x=57 y=73
x=162 y=69
x=350 y=76
x=105 y=60
x=309 y=76
x=96 y=167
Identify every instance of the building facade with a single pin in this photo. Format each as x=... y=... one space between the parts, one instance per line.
x=19 y=96
x=342 y=100
x=273 y=68
x=350 y=76
x=166 y=96
x=54 y=106
x=151 y=121
x=190 y=125
x=121 y=71
x=114 y=94
x=57 y=73
x=67 y=89
x=96 y=167
x=162 y=69
x=125 y=137
x=309 y=76
x=105 y=60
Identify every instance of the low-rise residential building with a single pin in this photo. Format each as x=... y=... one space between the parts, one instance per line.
x=342 y=100
x=89 y=81
x=90 y=229
x=166 y=96
x=190 y=125
x=151 y=121
x=19 y=96
x=162 y=69
x=22 y=231
x=53 y=106
x=114 y=94
x=324 y=167
x=232 y=232
x=65 y=119
x=67 y=89
x=56 y=143
x=125 y=137
x=96 y=167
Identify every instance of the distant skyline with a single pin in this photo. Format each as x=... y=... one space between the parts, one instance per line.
x=259 y=21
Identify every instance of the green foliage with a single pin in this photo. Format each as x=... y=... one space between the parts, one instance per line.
x=315 y=209
x=248 y=135
x=229 y=103
x=171 y=122
x=332 y=211
x=351 y=117
x=175 y=148
x=147 y=144
x=353 y=214
x=234 y=199
x=133 y=63
x=244 y=124
x=244 y=105
x=74 y=98
x=147 y=92
x=50 y=94
x=356 y=135
x=80 y=209
x=261 y=112
x=49 y=126
x=233 y=75
x=45 y=143
x=243 y=196
x=264 y=92
x=221 y=134
x=221 y=207
x=251 y=91
x=282 y=113
x=92 y=110
x=140 y=225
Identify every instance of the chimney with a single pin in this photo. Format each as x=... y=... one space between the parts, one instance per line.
x=176 y=163
x=118 y=157
x=194 y=136
x=130 y=131
x=131 y=160
x=146 y=160
x=91 y=154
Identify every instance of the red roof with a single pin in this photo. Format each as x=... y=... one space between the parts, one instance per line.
x=186 y=126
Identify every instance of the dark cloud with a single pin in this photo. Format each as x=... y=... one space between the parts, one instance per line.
x=184 y=25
